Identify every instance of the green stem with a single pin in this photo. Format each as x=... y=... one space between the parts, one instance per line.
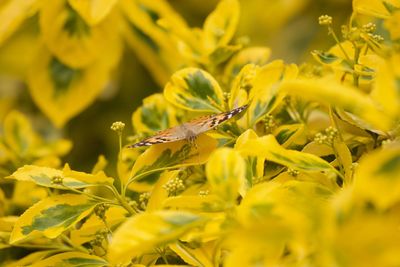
x=71 y=244
x=331 y=32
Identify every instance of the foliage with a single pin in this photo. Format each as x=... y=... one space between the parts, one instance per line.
x=307 y=175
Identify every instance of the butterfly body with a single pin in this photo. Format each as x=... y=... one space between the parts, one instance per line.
x=189 y=130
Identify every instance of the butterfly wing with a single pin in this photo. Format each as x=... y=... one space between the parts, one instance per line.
x=165 y=136
x=206 y=123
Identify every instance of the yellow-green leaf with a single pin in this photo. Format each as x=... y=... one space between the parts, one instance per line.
x=73 y=41
x=195 y=90
x=172 y=155
x=31 y=258
x=377 y=177
x=61 y=92
x=18 y=134
x=329 y=91
x=207 y=203
x=201 y=256
x=376 y=8
x=269 y=148
x=289 y=134
x=47 y=177
x=154 y=115
x=265 y=95
x=159 y=194
x=220 y=25
x=51 y=216
x=386 y=90
x=145 y=232
x=93 y=11
x=226 y=173
x=252 y=55
x=72 y=259
x=13 y=13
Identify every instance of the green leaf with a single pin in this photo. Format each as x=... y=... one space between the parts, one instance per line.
x=146 y=231
x=172 y=155
x=72 y=259
x=195 y=90
x=154 y=115
x=45 y=176
x=51 y=216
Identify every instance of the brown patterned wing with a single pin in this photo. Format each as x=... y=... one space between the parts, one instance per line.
x=165 y=136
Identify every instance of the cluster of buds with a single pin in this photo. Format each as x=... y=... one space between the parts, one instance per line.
x=325 y=20
x=144 y=199
x=174 y=186
x=57 y=180
x=100 y=211
x=99 y=238
x=269 y=123
x=327 y=136
x=203 y=193
x=293 y=172
x=118 y=126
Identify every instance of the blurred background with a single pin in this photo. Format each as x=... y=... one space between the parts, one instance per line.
x=289 y=27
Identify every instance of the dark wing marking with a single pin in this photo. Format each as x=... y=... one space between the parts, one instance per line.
x=206 y=123
x=164 y=136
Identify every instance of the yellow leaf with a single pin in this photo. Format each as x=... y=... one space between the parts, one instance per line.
x=73 y=41
x=252 y=55
x=195 y=90
x=172 y=155
x=241 y=85
x=195 y=256
x=209 y=203
x=328 y=91
x=376 y=8
x=100 y=164
x=377 y=177
x=45 y=176
x=345 y=159
x=265 y=95
x=269 y=148
x=19 y=134
x=289 y=134
x=51 y=216
x=31 y=258
x=146 y=231
x=220 y=25
x=62 y=92
x=386 y=90
x=27 y=193
x=148 y=30
x=393 y=25
x=72 y=259
x=154 y=115
x=13 y=13
x=226 y=173
x=93 y=11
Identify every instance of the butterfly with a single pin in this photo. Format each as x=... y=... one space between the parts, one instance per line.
x=189 y=130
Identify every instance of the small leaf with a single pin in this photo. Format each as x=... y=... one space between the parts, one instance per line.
x=226 y=173
x=325 y=57
x=146 y=231
x=154 y=115
x=172 y=155
x=72 y=259
x=51 y=216
x=289 y=133
x=220 y=25
x=252 y=55
x=223 y=53
x=375 y=8
x=45 y=176
x=195 y=90
x=269 y=148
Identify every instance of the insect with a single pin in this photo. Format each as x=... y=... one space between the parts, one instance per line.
x=189 y=130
